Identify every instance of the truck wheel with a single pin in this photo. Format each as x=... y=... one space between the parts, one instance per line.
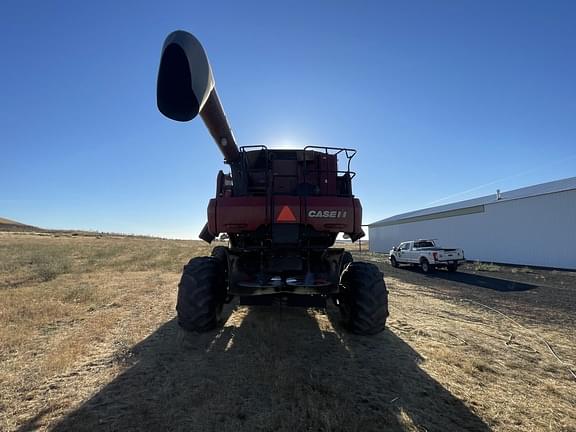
x=452 y=268
x=425 y=266
x=394 y=262
x=364 y=299
x=346 y=259
x=201 y=294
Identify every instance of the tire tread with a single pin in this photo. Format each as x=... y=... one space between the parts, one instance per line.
x=368 y=298
x=199 y=296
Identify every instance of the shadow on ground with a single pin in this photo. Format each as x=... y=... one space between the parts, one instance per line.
x=275 y=371
x=496 y=284
x=481 y=281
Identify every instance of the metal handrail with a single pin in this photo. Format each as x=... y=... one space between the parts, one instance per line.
x=348 y=152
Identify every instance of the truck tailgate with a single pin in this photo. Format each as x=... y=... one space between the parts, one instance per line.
x=450 y=255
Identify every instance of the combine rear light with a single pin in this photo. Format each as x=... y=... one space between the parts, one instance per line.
x=435 y=255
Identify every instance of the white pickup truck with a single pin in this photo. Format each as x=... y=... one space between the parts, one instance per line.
x=427 y=255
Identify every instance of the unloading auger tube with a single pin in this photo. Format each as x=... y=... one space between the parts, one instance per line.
x=186 y=88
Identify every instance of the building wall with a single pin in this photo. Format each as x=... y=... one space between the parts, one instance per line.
x=538 y=231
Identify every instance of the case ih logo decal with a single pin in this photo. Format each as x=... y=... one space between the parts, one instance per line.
x=333 y=214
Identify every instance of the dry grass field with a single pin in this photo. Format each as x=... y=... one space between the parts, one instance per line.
x=88 y=341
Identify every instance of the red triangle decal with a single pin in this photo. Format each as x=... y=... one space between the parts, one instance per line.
x=286 y=215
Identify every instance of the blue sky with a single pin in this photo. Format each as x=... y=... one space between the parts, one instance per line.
x=439 y=97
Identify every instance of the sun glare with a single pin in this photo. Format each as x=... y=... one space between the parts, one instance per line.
x=287 y=143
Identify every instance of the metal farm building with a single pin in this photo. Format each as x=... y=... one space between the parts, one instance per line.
x=534 y=226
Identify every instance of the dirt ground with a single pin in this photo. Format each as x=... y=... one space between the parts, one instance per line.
x=88 y=341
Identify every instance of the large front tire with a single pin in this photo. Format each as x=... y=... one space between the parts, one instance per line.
x=201 y=294
x=364 y=299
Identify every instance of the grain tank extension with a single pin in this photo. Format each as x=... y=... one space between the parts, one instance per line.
x=281 y=209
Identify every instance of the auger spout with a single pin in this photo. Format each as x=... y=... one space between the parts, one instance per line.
x=185 y=88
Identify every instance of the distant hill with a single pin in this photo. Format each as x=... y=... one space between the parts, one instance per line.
x=10 y=225
x=4 y=221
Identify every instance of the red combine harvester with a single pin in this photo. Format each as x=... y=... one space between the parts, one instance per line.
x=281 y=209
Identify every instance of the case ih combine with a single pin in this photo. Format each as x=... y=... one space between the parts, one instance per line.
x=281 y=209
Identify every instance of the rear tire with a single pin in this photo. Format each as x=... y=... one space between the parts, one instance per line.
x=452 y=268
x=394 y=262
x=425 y=266
x=201 y=294
x=221 y=254
x=363 y=301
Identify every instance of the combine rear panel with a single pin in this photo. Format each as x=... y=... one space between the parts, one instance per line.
x=298 y=187
x=282 y=214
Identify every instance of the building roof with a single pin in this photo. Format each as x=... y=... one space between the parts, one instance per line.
x=472 y=205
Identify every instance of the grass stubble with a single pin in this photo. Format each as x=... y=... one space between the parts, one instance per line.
x=86 y=320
